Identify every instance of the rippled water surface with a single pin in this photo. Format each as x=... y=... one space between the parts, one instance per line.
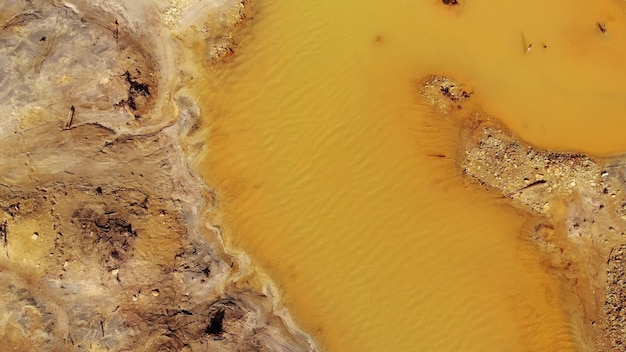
x=321 y=152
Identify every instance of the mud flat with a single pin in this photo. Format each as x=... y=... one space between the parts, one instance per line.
x=103 y=244
x=578 y=203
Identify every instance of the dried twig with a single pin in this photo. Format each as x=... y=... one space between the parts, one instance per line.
x=70 y=117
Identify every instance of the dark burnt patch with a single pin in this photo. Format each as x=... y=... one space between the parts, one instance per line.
x=106 y=235
x=450 y=2
x=136 y=87
x=449 y=92
x=215 y=326
x=138 y=93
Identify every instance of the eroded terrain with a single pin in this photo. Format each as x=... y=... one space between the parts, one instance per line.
x=579 y=210
x=102 y=238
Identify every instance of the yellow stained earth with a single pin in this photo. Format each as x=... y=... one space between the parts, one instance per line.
x=325 y=162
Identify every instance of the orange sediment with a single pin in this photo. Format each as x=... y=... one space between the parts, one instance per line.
x=342 y=184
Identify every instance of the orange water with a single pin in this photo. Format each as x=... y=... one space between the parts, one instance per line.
x=318 y=147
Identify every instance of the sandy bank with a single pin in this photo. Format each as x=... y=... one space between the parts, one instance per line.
x=578 y=203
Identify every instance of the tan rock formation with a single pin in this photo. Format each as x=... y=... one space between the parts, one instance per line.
x=102 y=242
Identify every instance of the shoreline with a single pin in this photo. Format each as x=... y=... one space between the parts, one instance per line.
x=576 y=202
x=101 y=215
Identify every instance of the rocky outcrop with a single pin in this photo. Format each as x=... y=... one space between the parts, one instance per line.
x=102 y=239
